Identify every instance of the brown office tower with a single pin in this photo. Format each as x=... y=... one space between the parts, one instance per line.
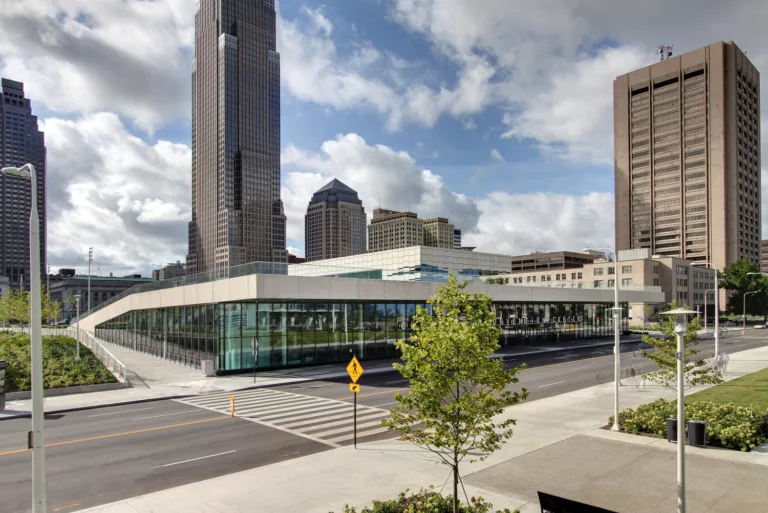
x=237 y=214
x=687 y=156
x=335 y=223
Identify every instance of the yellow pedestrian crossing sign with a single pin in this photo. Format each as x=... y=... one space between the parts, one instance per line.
x=354 y=369
x=354 y=387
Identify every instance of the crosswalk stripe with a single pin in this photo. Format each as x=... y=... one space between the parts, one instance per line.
x=320 y=419
x=321 y=434
x=319 y=409
x=346 y=421
x=208 y=400
x=360 y=434
x=316 y=417
x=274 y=409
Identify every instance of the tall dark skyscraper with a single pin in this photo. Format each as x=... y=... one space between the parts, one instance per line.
x=20 y=142
x=237 y=214
x=335 y=223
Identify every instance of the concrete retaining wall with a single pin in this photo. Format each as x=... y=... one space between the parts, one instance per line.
x=53 y=392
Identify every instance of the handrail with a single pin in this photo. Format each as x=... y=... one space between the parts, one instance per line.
x=106 y=357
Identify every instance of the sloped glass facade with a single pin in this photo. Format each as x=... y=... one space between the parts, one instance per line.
x=288 y=334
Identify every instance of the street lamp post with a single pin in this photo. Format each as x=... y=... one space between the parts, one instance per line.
x=27 y=171
x=681 y=328
x=616 y=337
x=717 y=303
x=77 y=303
x=744 y=312
x=90 y=259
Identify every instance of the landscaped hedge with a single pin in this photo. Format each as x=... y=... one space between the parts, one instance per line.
x=733 y=427
x=60 y=369
x=426 y=501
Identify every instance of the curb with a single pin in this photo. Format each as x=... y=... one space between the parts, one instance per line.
x=341 y=374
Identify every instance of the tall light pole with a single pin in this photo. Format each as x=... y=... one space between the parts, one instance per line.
x=681 y=328
x=27 y=171
x=77 y=351
x=744 y=312
x=616 y=336
x=90 y=259
x=717 y=303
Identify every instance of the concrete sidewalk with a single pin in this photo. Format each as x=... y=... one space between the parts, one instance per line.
x=155 y=378
x=558 y=438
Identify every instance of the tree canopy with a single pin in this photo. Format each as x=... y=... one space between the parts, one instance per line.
x=736 y=279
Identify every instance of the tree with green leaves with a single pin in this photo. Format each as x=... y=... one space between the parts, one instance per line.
x=736 y=278
x=5 y=307
x=71 y=304
x=695 y=369
x=456 y=388
x=20 y=307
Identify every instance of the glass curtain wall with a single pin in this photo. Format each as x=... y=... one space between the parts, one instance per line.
x=241 y=336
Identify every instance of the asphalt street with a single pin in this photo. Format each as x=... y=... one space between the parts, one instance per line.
x=105 y=454
x=102 y=455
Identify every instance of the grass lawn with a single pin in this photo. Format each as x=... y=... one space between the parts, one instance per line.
x=744 y=391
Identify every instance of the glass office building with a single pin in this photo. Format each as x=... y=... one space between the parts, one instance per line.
x=294 y=333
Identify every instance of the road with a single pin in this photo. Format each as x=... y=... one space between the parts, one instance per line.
x=106 y=454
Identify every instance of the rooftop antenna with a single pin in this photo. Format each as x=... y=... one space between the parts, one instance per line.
x=664 y=51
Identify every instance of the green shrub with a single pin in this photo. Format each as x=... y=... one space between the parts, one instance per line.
x=60 y=369
x=733 y=427
x=426 y=501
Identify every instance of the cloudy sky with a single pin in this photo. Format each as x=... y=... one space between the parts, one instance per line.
x=494 y=113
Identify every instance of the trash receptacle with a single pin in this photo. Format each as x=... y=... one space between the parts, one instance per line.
x=697 y=433
x=671 y=430
x=3 y=365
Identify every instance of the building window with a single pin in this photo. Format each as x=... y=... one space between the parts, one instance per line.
x=578 y=275
x=611 y=284
x=549 y=277
x=626 y=281
x=598 y=284
x=626 y=269
x=598 y=271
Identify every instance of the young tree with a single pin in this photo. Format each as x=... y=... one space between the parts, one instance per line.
x=20 y=307
x=71 y=304
x=5 y=307
x=456 y=388
x=695 y=370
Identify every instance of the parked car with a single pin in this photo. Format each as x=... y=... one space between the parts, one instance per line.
x=760 y=326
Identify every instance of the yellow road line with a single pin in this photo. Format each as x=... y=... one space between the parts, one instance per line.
x=114 y=435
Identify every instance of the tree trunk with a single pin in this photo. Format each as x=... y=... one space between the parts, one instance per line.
x=456 y=488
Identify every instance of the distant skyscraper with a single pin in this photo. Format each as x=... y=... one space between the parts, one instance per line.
x=237 y=214
x=335 y=223
x=687 y=156
x=20 y=142
x=438 y=233
x=390 y=229
x=456 y=238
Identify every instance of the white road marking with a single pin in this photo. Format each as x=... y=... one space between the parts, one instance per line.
x=386 y=404
x=398 y=381
x=550 y=384
x=196 y=459
x=118 y=412
x=168 y=414
x=577 y=368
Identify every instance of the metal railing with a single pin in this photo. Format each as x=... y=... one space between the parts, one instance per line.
x=576 y=285
x=110 y=361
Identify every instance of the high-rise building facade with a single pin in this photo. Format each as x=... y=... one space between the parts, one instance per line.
x=20 y=143
x=456 y=238
x=335 y=223
x=438 y=233
x=687 y=157
x=390 y=229
x=170 y=272
x=237 y=214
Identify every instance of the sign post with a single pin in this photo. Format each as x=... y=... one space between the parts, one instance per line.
x=355 y=370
